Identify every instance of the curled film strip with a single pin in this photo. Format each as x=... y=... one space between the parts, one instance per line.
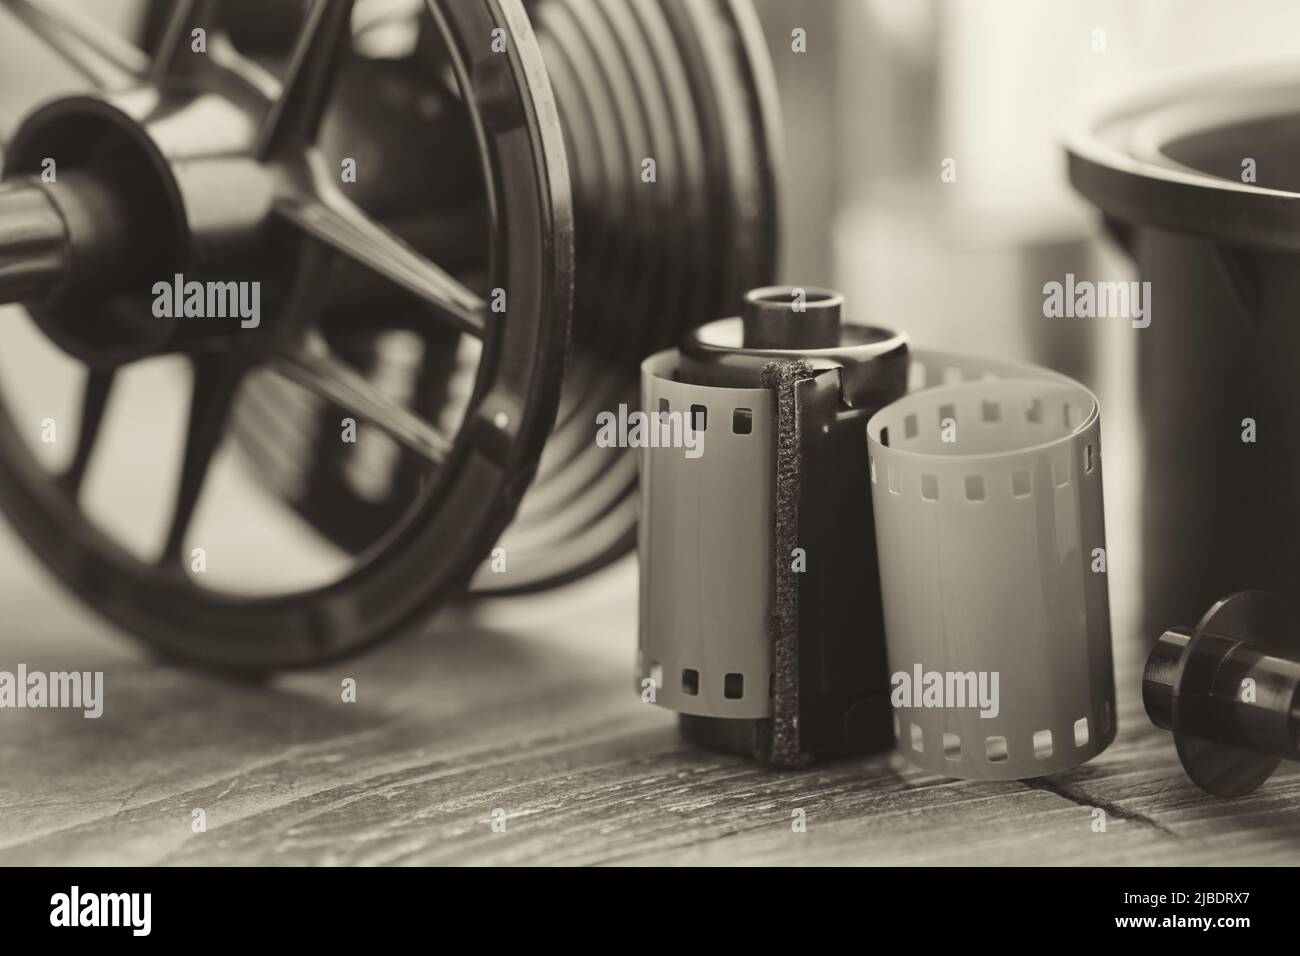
x=987 y=496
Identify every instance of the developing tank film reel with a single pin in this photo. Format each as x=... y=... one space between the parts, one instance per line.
x=988 y=515
x=686 y=83
x=209 y=166
x=760 y=617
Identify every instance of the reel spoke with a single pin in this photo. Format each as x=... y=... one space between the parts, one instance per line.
x=323 y=374
x=97 y=54
x=294 y=119
x=173 y=57
x=216 y=380
x=94 y=399
x=347 y=230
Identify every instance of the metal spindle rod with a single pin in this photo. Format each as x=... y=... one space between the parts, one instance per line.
x=33 y=243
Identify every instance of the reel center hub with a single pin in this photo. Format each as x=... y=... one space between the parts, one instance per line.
x=160 y=226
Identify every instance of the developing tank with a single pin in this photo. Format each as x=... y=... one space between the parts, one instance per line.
x=1200 y=183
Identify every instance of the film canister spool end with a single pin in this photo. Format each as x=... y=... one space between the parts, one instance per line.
x=784 y=317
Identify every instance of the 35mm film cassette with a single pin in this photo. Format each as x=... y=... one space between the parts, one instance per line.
x=760 y=612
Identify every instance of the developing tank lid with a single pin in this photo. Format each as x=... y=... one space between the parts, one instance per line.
x=1174 y=157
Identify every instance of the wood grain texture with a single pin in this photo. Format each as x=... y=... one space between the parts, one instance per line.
x=530 y=707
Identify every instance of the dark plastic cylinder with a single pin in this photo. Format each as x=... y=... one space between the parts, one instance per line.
x=1218 y=239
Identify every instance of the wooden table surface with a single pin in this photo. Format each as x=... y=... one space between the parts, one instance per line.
x=527 y=706
x=530 y=708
